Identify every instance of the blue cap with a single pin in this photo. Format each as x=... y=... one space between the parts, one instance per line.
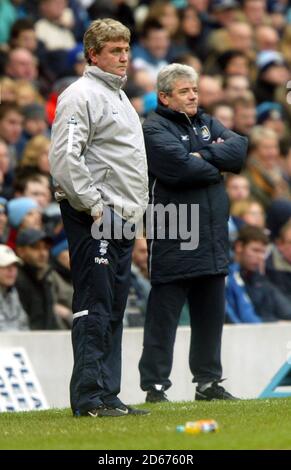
x=76 y=55
x=221 y=5
x=18 y=208
x=59 y=248
x=269 y=110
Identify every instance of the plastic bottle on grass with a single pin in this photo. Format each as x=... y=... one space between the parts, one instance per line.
x=197 y=427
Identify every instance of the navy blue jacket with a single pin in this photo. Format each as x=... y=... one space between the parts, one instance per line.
x=177 y=177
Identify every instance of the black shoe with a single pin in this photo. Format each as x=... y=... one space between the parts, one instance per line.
x=103 y=411
x=214 y=392
x=133 y=411
x=156 y=396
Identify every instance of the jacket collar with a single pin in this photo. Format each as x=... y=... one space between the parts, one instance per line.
x=113 y=81
x=179 y=118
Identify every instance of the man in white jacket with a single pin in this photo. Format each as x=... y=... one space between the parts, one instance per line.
x=99 y=166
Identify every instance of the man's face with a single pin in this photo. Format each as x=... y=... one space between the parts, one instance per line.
x=36 y=255
x=183 y=97
x=157 y=42
x=238 y=188
x=268 y=152
x=38 y=192
x=244 y=119
x=251 y=256
x=11 y=127
x=236 y=87
x=113 y=58
x=284 y=246
x=8 y=275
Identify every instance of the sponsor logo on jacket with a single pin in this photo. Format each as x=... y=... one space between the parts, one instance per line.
x=205 y=132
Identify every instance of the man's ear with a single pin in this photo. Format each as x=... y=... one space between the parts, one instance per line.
x=163 y=97
x=93 y=56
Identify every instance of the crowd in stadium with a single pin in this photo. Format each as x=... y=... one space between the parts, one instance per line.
x=242 y=52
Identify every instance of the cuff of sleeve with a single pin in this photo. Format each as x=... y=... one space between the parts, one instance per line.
x=97 y=210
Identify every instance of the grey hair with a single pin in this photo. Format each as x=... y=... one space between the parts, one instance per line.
x=170 y=73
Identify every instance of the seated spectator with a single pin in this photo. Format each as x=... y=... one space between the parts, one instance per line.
x=11 y=125
x=263 y=167
x=278 y=214
x=3 y=220
x=54 y=28
x=248 y=212
x=273 y=72
x=6 y=177
x=151 y=53
x=285 y=158
x=139 y=285
x=244 y=115
x=8 y=90
x=35 y=155
x=23 y=213
x=12 y=314
x=236 y=86
x=34 y=124
x=29 y=183
x=224 y=113
x=34 y=282
x=62 y=282
x=237 y=187
x=250 y=296
x=278 y=264
x=21 y=64
x=210 y=91
x=270 y=115
x=26 y=94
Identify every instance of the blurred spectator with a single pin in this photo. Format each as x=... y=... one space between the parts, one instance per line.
x=12 y=314
x=8 y=16
x=5 y=175
x=151 y=53
x=54 y=28
x=33 y=185
x=24 y=212
x=210 y=91
x=35 y=155
x=224 y=113
x=270 y=115
x=273 y=72
x=26 y=94
x=34 y=282
x=21 y=64
x=244 y=115
x=224 y=12
x=241 y=37
x=23 y=36
x=3 y=220
x=248 y=212
x=285 y=159
x=235 y=86
x=62 y=282
x=251 y=297
x=263 y=167
x=139 y=286
x=278 y=214
x=76 y=61
x=266 y=38
x=233 y=62
x=165 y=12
x=278 y=264
x=34 y=124
x=255 y=12
x=11 y=125
x=237 y=187
x=8 y=90
x=193 y=35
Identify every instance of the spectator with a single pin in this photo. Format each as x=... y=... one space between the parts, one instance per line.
x=237 y=187
x=263 y=168
x=278 y=264
x=244 y=115
x=5 y=175
x=33 y=185
x=11 y=124
x=210 y=91
x=236 y=86
x=248 y=212
x=266 y=38
x=273 y=72
x=34 y=282
x=12 y=315
x=251 y=297
x=270 y=115
x=24 y=212
x=3 y=220
x=224 y=113
x=21 y=64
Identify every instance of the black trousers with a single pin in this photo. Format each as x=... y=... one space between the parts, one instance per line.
x=101 y=275
x=207 y=310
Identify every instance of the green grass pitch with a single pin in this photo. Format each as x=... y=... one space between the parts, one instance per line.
x=246 y=424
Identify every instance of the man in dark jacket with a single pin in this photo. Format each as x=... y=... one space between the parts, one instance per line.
x=187 y=150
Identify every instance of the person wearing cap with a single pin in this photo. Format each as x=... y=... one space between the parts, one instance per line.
x=12 y=315
x=34 y=282
x=34 y=124
x=273 y=72
x=23 y=212
x=223 y=12
x=3 y=219
x=270 y=115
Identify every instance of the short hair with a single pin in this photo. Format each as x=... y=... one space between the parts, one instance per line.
x=249 y=234
x=8 y=107
x=23 y=24
x=259 y=134
x=170 y=73
x=102 y=31
x=283 y=230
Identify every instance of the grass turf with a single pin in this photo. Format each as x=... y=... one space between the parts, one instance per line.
x=248 y=424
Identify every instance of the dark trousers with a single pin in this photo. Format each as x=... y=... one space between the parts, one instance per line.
x=101 y=275
x=207 y=309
